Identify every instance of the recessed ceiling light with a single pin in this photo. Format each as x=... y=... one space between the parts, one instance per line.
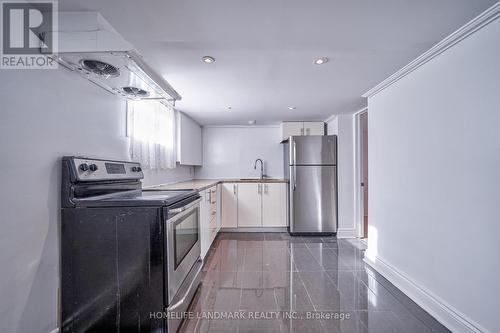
x=251 y=122
x=321 y=61
x=292 y=107
x=208 y=59
x=228 y=108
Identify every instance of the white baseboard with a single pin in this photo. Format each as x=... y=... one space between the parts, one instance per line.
x=254 y=229
x=346 y=233
x=446 y=314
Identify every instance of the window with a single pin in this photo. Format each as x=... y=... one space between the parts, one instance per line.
x=151 y=127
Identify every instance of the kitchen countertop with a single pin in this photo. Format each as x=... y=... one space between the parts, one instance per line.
x=203 y=184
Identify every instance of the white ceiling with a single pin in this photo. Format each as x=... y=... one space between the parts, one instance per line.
x=264 y=49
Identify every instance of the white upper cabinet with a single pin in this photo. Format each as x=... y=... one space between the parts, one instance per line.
x=249 y=205
x=291 y=128
x=314 y=128
x=298 y=128
x=189 y=145
x=229 y=214
x=274 y=199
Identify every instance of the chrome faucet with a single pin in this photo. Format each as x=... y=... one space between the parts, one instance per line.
x=261 y=167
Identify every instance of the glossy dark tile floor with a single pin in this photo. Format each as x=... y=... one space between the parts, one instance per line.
x=274 y=272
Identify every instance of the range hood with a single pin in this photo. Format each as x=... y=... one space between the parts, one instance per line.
x=90 y=46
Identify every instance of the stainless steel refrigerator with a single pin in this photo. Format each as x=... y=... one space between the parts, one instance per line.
x=311 y=168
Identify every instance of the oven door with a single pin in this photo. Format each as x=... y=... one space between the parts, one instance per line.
x=183 y=243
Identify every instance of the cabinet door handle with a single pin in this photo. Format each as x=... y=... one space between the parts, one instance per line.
x=302 y=131
x=234 y=189
x=259 y=188
x=209 y=196
x=266 y=189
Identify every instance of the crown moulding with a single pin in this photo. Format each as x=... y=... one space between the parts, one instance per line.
x=483 y=19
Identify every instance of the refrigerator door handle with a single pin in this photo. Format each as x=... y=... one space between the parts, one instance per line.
x=294 y=152
x=294 y=177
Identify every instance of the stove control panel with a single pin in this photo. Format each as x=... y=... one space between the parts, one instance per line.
x=87 y=169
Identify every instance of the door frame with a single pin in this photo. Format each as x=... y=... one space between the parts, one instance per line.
x=358 y=173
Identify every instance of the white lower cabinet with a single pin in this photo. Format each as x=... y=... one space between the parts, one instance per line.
x=218 y=220
x=208 y=219
x=274 y=205
x=229 y=205
x=204 y=224
x=249 y=205
x=244 y=205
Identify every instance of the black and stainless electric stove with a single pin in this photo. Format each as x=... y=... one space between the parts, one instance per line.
x=127 y=255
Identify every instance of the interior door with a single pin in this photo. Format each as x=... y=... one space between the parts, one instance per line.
x=229 y=205
x=363 y=122
x=314 y=199
x=249 y=205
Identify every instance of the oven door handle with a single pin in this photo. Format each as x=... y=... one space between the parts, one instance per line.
x=183 y=299
x=184 y=208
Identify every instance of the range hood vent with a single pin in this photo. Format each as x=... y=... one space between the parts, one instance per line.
x=90 y=46
x=100 y=68
x=135 y=92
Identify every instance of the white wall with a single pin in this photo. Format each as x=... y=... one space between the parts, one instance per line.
x=343 y=126
x=155 y=177
x=46 y=114
x=434 y=166
x=332 y=125
x=230 y=152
